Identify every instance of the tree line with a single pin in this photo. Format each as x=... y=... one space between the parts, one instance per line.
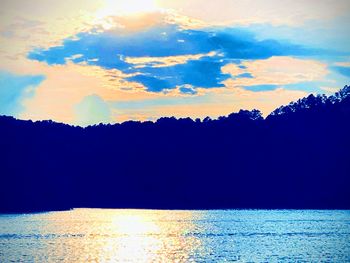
x=297 y=157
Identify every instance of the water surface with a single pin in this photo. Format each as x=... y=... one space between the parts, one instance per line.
x=88 y=235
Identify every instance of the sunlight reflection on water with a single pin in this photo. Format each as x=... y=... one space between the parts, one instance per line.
x=96 y=235
x=107 y=235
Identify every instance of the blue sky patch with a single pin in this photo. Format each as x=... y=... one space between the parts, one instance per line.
x=261 y=87
x=345 y=71
x=245 y=75
x=13 y=88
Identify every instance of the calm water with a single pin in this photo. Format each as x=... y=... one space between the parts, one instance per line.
x=94 y=235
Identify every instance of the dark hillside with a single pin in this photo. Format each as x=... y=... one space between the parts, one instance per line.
x=298 y=157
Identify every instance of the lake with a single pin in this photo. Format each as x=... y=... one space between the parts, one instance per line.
x=97 y=235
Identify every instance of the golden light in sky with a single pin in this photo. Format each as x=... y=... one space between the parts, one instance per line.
x=129 y=7
x=91 y=61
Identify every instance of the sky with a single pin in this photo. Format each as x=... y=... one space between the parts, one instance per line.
x=87 y=62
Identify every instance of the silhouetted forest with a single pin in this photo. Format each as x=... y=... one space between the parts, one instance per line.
x=297 y=157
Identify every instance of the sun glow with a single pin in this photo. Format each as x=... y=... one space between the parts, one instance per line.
x=126 y=7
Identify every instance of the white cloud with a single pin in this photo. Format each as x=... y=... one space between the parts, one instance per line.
x=158 y=62
x=92 y=110
x=343 y=64
x=275 y=71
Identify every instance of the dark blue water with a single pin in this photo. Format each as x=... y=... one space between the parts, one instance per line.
x=94 y=235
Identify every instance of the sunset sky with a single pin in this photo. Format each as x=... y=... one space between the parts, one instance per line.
x=89 y=61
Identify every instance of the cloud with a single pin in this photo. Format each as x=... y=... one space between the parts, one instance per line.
x=343 y=64
x=330 y=36
x=205 y=73
x=13 y=89
x=113 y=47
x=166 y=56
x=275 y=71
x=92 y=110
x=247 y=12
x=159 y=62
